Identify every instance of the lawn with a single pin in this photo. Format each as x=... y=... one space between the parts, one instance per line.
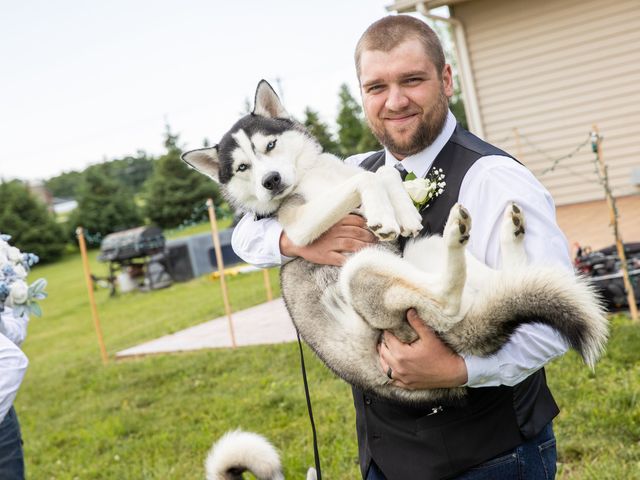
x=155 y=417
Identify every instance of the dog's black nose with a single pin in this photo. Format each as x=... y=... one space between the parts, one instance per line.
x=271 y=181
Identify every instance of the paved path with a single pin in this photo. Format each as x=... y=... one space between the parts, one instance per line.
x=262 y=324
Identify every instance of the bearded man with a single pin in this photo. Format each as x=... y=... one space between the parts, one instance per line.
x=503 y=430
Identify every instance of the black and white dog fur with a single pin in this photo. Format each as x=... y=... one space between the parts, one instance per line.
x=269 y=165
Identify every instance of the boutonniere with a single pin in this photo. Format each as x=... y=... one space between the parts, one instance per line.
x=423 y=190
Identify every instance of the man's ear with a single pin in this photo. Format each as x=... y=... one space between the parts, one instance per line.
x=267 y=103
x=205 y=160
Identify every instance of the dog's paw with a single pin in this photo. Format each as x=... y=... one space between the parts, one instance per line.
x=382 y=223
x=386 y=232
x=513 y=223
x=410 y=221
x=458 y=228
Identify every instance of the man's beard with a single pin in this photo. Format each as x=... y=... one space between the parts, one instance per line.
x=428 y=130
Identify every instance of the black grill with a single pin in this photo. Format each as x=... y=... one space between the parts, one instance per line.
x=138 y=252
x=134 y=243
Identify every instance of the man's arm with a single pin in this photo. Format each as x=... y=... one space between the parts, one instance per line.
x=263 y=243
x=428 y=363
x=13 y=364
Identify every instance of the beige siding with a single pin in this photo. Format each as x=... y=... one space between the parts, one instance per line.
x=545 y=72
x=588 y=224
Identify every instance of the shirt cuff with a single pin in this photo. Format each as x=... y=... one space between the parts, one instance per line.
x=272 y=239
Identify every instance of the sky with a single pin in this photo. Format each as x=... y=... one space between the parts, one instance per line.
x=87 y=81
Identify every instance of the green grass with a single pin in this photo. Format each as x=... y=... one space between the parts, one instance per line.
x=155 y=417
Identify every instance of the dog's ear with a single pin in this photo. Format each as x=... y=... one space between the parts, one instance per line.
x=205 y=160
x=267 y=103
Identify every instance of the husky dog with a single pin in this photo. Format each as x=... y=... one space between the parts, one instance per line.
x=268 y=164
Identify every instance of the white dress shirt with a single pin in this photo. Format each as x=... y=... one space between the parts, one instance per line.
x=13 y=363
x=488 y=187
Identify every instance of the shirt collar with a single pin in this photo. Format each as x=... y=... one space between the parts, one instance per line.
x=421 y=162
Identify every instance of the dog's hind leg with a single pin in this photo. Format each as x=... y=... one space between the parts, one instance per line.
x=381 y=287
x=512 y=238
x=456 y=236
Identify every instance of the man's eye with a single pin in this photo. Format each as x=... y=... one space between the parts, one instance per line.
x=271 y=145
x=242 y=167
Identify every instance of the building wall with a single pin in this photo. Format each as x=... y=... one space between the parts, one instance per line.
x=588 y=224
x=546 y=71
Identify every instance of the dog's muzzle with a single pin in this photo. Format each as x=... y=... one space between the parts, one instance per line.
x=272 y=181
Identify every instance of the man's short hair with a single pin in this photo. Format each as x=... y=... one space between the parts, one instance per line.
x=389 y=32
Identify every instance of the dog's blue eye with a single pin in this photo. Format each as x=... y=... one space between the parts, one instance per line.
x=271 y=145
x=242 y=167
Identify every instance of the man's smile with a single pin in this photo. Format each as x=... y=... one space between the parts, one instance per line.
x=401 y=120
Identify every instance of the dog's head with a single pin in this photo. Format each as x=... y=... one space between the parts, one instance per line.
x=256 y=160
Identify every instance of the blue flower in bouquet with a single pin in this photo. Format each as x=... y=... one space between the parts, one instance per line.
x=15 y=292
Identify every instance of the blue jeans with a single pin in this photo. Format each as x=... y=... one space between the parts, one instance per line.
x=533 y=460
x=11 y=457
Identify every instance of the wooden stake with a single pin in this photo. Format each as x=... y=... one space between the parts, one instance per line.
x=223 y=281
x=92 y=299
x=613 y=221
x=267 y=284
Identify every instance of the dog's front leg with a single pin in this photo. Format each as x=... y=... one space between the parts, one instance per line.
x=406 y=214
x=305 y=223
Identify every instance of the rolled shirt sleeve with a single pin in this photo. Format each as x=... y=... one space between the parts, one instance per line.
x=12 y=327
x=490 y=185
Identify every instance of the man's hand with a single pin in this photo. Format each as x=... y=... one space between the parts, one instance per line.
x=347 y=236
x=425 y=363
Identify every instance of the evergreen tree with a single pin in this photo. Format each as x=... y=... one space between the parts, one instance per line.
x=32 y=228
x=64 y=185
x=175 y=193
x=320 y=131
x=353 y=134
x=104 y=206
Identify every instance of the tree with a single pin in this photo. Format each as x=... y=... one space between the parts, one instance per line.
x=320 y=131
x=32 y=228
x=353 y=134
x=64 y=185
x=175 y=193
x=456 y=102
x=104 y=206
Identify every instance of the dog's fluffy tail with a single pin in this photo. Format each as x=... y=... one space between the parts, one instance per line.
x=551 y=296
x=238 y=451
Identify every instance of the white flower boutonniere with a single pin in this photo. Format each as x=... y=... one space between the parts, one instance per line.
x=423 y=190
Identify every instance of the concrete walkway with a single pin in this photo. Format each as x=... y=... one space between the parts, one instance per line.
x=263 y=324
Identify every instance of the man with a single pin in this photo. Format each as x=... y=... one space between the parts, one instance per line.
x=504 y=428
x=13 y=364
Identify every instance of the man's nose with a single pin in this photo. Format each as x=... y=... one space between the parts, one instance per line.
x=397 y=99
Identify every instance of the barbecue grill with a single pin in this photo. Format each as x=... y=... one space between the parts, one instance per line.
x=137 y=252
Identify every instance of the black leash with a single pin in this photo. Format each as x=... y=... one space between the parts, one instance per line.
x=316 y=454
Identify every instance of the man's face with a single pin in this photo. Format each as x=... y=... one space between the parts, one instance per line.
x=405 y=99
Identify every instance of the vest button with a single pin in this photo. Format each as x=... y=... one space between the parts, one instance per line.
x=367 y=400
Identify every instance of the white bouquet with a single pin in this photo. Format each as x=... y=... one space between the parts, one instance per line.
x=14 y=290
